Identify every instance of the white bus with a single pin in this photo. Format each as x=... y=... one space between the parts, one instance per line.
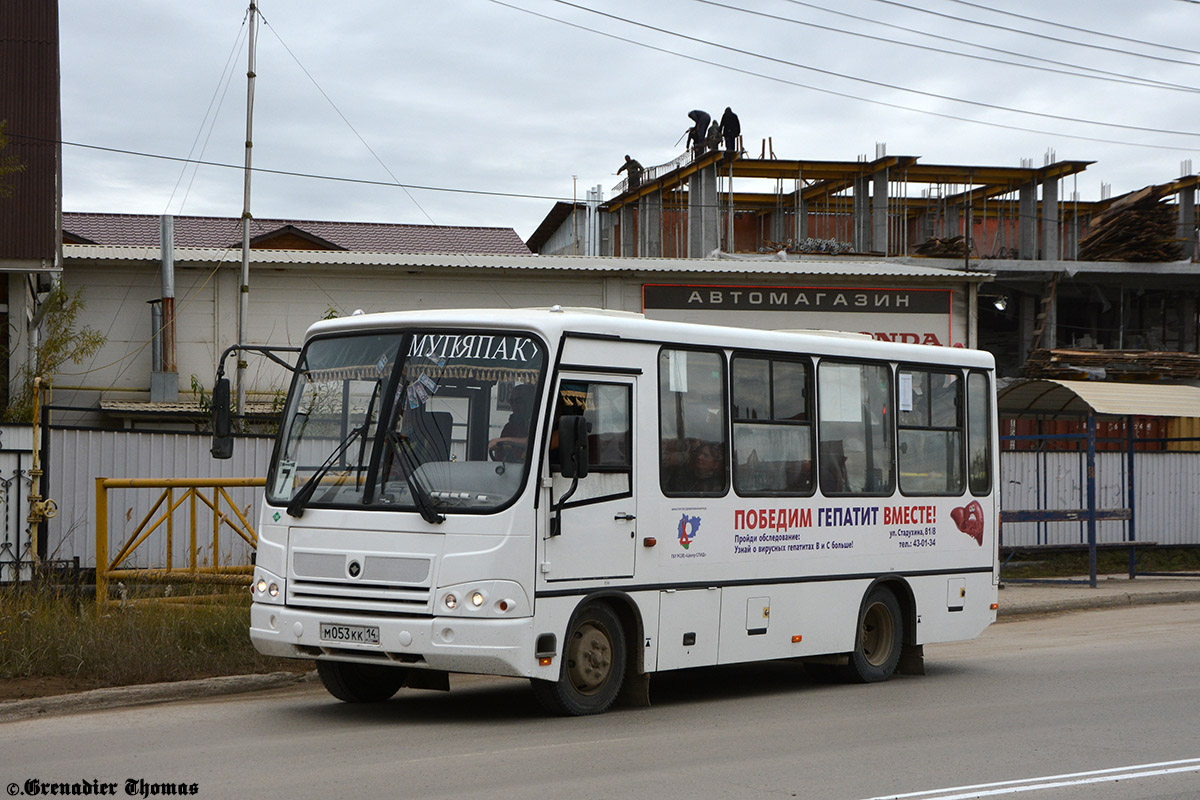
x=583 y=498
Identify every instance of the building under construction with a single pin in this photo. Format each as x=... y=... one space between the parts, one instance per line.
x=1112 y=273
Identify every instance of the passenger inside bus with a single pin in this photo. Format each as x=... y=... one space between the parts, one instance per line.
x=514 y=436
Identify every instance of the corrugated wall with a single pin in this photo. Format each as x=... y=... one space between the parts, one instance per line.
x=1167 y=496
x=1168 y=503
x=29 y=102
x=77 y=457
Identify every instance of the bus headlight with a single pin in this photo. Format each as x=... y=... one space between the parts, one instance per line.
x=484 y=599
x=266 y=588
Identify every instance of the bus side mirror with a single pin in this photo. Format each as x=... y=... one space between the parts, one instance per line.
x=222 y=446
x=573 y=446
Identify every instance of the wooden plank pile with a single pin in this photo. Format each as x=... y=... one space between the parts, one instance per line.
x=1068 y=364
x=950 y=247
x=1136 y=227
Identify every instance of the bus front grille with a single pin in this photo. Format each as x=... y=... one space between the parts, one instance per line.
x=357 y=596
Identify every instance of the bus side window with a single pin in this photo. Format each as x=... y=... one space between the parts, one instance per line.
x=772 y=432
x=857 y=442
x=693 y=449
x=979 y=421
x=607 y=407
x=930 y=431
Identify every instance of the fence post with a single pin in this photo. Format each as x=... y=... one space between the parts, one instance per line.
x=101 y=543
x=1091 y=496
x=170 y=528
x=1130 y=486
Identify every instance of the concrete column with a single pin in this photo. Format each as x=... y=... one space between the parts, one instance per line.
x=1187 y=223
x=775 y=225
x=879 y=213
x=704 y=223
x=1070 y=240
x=802 y=220
x=1027 y=221
x=1187 y=324
x=972 y=317
x=1050 y=331
x=1050 y=219
x=862 y=212
x=951 y=222
x=1027 y=318
x=606 y=233
x=628 y=231
x=650 y=226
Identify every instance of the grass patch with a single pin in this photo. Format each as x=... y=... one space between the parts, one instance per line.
x=1073 y=563
x=55 y=638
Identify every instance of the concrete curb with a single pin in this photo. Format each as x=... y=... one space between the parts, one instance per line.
x=1104 y=601
x=99 y=699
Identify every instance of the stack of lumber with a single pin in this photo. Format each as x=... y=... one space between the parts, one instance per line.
x=1142 y=365
x=951 y=247
x=1136 y=227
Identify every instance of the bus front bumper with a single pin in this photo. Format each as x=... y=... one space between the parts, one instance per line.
x=452 y=644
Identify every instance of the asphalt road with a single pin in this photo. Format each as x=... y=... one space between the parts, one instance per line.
x=1039 y=707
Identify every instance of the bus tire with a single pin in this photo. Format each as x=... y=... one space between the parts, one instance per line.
x=878 y=639
x=593 y=665
x=361 y=683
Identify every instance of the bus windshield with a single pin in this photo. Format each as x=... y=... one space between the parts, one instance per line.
x=436 y=422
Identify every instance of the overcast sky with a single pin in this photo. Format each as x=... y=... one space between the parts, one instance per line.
x=475 y=95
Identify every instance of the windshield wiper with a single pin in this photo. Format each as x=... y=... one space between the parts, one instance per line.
x=295 y=506
x=406 y=456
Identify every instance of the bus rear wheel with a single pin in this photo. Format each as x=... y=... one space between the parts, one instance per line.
x=879 y=638
x=593 y=665
x=361 y=683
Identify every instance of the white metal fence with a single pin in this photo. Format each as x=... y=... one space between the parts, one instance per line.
x=75 y=458
x=1166 y=496
x=1167 y=491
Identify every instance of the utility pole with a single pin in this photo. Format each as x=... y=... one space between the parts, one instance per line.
x=244 y=286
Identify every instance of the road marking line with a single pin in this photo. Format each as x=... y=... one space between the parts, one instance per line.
x=1051 y=781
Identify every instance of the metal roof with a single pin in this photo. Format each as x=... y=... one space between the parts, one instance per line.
x=142 y=230
x=1076 y=398
x=741 y=265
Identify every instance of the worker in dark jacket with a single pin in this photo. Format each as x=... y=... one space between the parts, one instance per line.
x=634 y=169
x=697 y=132
x=731 y=128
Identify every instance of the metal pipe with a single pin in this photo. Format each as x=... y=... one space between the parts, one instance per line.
x=166 y=361
x=156 y=343
x=244 y=287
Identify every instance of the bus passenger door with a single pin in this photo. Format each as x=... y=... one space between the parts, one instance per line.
x=597 y=529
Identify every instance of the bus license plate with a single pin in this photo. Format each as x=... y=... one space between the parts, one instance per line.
x=354 y=634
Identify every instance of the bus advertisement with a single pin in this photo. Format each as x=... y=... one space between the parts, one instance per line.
x=583 y=498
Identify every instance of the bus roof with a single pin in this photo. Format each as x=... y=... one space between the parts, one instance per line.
x=551 y=323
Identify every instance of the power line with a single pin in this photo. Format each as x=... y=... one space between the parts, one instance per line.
x=225 y=79
x=354 y=130
x=1100 y=74
x=1039 y=35
x=834 y=92
x=853 y=78
x=1078 y=29
x=289 y=173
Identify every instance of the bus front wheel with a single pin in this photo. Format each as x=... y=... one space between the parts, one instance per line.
x=593 y=665
x=879 y=638
x=361 y=683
